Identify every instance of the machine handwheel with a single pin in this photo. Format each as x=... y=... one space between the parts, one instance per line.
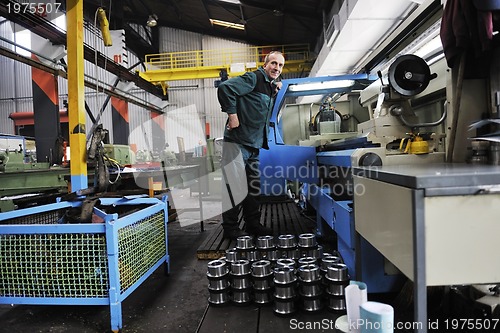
x=409 y=75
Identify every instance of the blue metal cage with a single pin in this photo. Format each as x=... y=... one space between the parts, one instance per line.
x=43 y=261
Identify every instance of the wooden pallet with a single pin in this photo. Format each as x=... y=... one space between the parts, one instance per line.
x=282 y=216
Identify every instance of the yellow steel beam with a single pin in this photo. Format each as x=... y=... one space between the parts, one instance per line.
x=180 y=74
x=76 y=101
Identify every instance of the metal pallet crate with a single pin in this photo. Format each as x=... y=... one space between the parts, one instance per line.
x=44 y=261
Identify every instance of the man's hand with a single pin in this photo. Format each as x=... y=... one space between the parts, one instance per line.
x=233 y=121
x=279 y=84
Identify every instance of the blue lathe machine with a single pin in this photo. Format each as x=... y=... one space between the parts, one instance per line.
x=308 y=148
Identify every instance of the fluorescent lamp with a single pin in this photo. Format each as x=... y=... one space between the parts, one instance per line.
x=332 y=38
x=228 y=24
x=322 y=85
x=430 y=47
x=435 y=58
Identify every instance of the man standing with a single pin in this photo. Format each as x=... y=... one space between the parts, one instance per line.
x=248 y=101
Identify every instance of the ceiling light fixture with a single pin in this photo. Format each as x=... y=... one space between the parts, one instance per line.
x=322 y=85
x=236 y=2
x=152 y=20
x=228 y=24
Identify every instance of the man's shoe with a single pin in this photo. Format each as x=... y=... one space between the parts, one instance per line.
x=234 y=233
x=258 y=230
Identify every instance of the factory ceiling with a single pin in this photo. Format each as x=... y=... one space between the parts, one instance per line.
x=265 y=22
x=339 y=48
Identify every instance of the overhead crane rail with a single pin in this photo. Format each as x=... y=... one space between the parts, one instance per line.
x=204 y=64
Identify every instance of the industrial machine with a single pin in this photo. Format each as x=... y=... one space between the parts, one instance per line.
x=15 y=155
x=21 y=174
x=321 y=161
x=392 y=135
x=396 y=191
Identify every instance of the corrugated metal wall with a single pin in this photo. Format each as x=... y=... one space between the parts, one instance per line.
x=174 y=40
x=139 y=118
x=215 y=116
x=186 y=113
x=141 y=30
x=15 y=85
x=199 y=95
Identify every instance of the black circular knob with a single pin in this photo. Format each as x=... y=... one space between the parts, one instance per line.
x=409 y=75
x=370 y=159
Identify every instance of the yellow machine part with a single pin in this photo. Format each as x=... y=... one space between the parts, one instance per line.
x=419 y=146
x=416 y=146
x=104 y=26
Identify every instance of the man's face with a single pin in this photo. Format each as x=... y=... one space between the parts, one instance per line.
x=274 y=66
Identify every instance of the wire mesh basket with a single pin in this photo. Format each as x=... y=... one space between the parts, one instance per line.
x=45 y=260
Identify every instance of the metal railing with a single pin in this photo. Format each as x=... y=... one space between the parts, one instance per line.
x=249 y=57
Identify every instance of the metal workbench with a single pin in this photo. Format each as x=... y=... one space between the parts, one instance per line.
x=437 y=223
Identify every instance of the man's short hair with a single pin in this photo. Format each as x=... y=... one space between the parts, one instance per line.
x=266 y=59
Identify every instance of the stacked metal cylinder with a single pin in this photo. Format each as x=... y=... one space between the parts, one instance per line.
x=266 y=249
x=337 y=279
x=310 y=287
x=307 y=246
x=307 y=261
x=262 y=278
x=231 y=256
x=281 y=271
x=287 y=247
x=245 y=248
x=284 y=290
x=286 y=262
x=327 y=260
x=218 y=283
x=241 y=282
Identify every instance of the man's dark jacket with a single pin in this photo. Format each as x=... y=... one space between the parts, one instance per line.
x=251 y=97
